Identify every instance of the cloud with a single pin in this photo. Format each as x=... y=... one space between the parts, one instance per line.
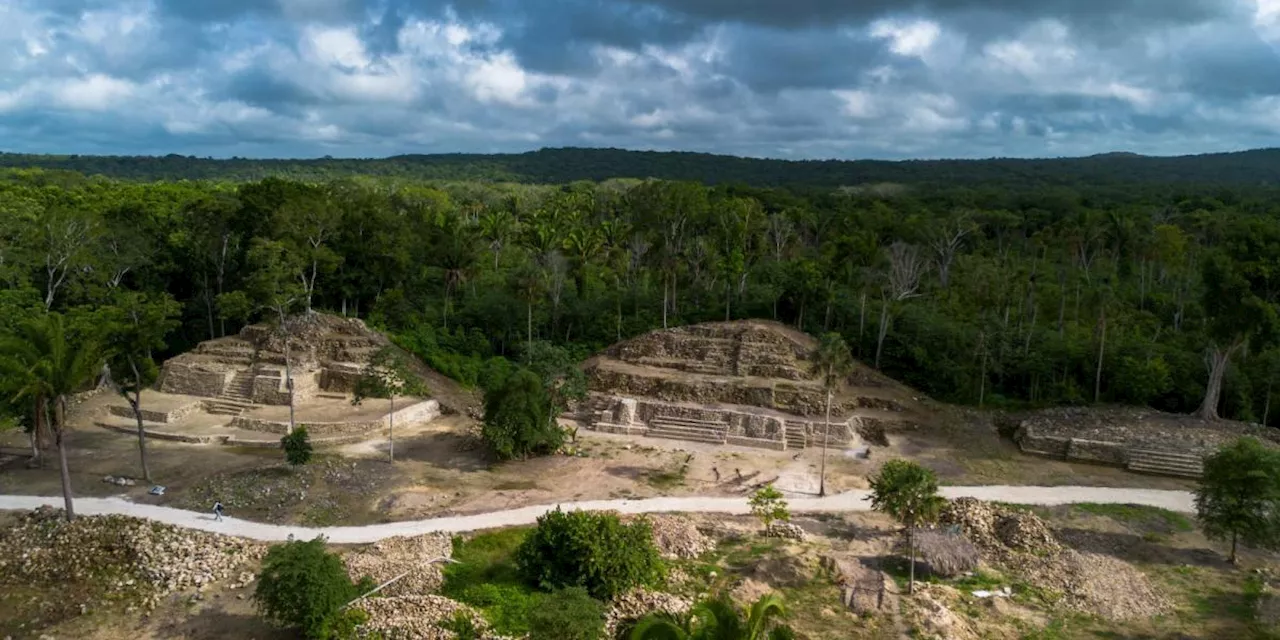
x=781 y=78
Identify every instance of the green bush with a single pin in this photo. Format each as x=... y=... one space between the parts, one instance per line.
x=304 y=587
x=297 y=447
x=568 y=614
x=486 y=578
x=519 y=419
x=592 y=550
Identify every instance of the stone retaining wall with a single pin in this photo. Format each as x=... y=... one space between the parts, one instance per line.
x=188 y=380
x=1112 y=453
x=269 y=387
x=424 y=411
x=339 y=377
x=151 y=415
x=634 y=416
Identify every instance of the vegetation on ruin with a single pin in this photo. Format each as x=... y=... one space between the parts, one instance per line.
x=908 y=493
x=303 y=586
x=592 y=550
x=1238 y=499
x=769 y=506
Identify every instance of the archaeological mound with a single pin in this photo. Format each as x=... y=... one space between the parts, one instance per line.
x=748 y=383
x=233 y=390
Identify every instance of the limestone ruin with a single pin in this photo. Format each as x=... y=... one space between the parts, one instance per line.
x=744 y=383
x=233 y=390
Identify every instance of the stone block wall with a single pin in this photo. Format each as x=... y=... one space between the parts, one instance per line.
x=269 y=386
x=152 y=415
x=417 y=413
x=186 y=379
x=1112 y=453
x=339 y=377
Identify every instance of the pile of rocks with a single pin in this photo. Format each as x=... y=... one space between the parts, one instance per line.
x=677 y=537
x=784 y=530
x=995 y=528
x=639 y=603
x=416 y=617
x=119 y=557
x=391 y=557
x=1096 y=584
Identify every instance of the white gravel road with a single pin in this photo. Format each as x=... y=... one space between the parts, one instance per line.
x=851 y=501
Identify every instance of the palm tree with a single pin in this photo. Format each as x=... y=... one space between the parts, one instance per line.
x=718 y=619
x=50 y=368
x=832 y=362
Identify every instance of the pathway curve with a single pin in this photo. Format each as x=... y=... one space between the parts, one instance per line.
x=849 y=501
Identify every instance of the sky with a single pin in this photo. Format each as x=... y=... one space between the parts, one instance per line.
x=767 y=78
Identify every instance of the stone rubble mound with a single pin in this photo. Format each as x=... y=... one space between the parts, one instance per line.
x=784 y=530
x=678 y=538
x=638 y=603
x=1097 y=584
x=1087 y=582
x=995 y=528
x=391 y=557
x=130 y=558
x=415 y=618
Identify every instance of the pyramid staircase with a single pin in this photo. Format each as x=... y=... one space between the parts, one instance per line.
x=692 y=429
x=1166 y=463
x=796 y=438
x=236 y=398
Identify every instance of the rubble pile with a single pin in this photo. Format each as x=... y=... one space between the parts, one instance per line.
x=784 y=530
x=391 y=557
x=995 y=528
x=639 y=603
x=415 y=618
x=1097 y=584
x=678 y=538
x=124 y=557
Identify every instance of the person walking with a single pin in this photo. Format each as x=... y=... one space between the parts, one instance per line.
x=217 y=511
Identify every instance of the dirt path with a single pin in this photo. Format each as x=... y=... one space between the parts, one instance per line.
x=849 y=501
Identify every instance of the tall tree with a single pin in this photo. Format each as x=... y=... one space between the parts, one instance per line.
x=1241 y=282
x=1239 y=495
x=832 y=364
x=387 y=375
x=902 y=282
x=308 y=224
x=53 y=365
x=908 y=493
x=275 y=290
x=137 y=325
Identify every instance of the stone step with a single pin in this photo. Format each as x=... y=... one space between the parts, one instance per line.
x=1166 y=470
x=1170 y=456
x=690 y=422
x=689 y=435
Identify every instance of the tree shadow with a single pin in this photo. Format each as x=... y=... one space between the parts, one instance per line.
x=442 y=449
x=215 y=623
x=1132 y=547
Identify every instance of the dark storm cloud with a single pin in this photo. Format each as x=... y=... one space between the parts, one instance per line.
x=793 y=78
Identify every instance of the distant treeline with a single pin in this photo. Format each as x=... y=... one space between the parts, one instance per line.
x=1256 y=168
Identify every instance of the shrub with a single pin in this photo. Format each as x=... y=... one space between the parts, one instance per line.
x=592 y=550
x=768 y=505
x=297 y=447
x=304 y=587
x=462 y=626
x=519 y=421
x=568 y=614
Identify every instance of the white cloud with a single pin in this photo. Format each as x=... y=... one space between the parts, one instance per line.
x=910 y=38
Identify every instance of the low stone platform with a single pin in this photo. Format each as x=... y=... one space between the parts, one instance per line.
x=330 y=419
x=1139 y=440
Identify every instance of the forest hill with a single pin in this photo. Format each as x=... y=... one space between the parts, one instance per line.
x=979 y=296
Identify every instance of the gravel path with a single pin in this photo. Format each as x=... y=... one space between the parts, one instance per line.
x=851 y=501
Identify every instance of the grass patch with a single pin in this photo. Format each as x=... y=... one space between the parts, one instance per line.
x=1140 y=516
x=667 y=478
x=486 y=578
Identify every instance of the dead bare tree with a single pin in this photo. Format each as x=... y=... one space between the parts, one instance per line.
x=906 y=267
x=946 y=240
x=67 y=236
